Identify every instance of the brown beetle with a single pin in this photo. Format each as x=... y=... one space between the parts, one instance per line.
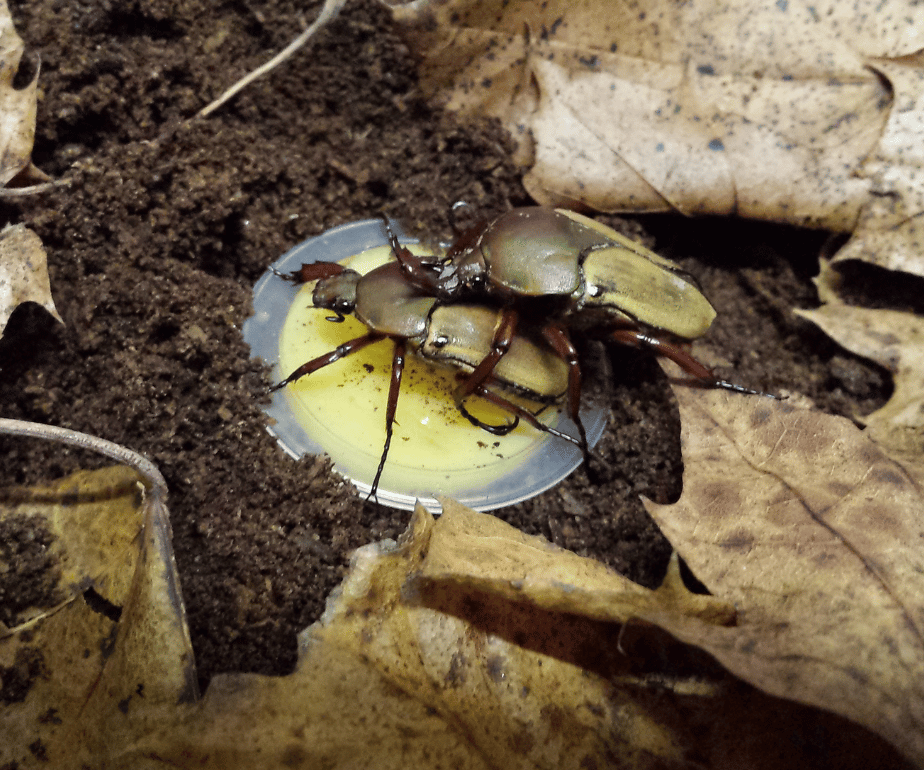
x=552 y=270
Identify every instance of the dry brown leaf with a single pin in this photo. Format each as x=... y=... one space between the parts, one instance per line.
x=890 y=232
x=17 y=106
x=386 y=683
x=92 y=520
x=23 y=272
x=816 y=536
x=800 y=113
x=483 y=553
x=895 y=341
x=421 y=661
x=444 y=649
x=69 y=665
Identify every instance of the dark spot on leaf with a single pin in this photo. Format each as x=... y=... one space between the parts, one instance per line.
x=294 y=756
x=39 y=751
x=759 y=416
x=887 y=476
x=591 y=62
x=738 y=540
x=16 y=680
x=50 y=717
x=456 y=674
x=99 y=603
x=521 y=741
x=495 y=668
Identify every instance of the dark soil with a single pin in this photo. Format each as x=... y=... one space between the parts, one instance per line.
x=155 y=243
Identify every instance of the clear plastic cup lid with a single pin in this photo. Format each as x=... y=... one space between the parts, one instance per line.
x=340 y=408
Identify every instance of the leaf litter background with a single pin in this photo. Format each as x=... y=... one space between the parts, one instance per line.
x=154 y=246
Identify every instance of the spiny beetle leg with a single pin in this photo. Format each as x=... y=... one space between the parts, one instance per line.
x=496 y=430
x=328 y=358
x=402 y=253
x=422 y=273
x=394 y=388
x=503 y=336
x=519 y=411
x=684 y=360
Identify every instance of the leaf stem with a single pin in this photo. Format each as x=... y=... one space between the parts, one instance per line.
x=155 y=484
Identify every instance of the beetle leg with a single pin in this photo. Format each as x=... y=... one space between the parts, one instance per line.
x=557 y=337
x=519 y=411
x=497 y=430
x=684 y=360
x=315 y=271
x=328 y=358
x=503 y=336
x=397 y=370
x=500 y=344
x=410 y=263
x=424 y=274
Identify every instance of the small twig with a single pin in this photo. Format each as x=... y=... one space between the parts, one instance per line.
x=155 y=485
x=33 y=189
x=329 y=11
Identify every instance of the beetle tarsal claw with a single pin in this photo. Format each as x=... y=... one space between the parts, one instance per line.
x=743 y=389
x=497 y=430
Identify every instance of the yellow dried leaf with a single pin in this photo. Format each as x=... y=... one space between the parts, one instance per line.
x=895 y=341
x=815 y=534
x=415 y=666
x=23 y=272
x=76 y=666
x=92 y=520
x=477 y=551
x=388 y=683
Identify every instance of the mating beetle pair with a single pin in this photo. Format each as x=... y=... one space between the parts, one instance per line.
x=499 y=305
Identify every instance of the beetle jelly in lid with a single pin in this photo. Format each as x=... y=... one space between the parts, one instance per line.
x=340 y=408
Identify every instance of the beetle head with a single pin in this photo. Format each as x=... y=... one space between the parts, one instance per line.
x=337 y=293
